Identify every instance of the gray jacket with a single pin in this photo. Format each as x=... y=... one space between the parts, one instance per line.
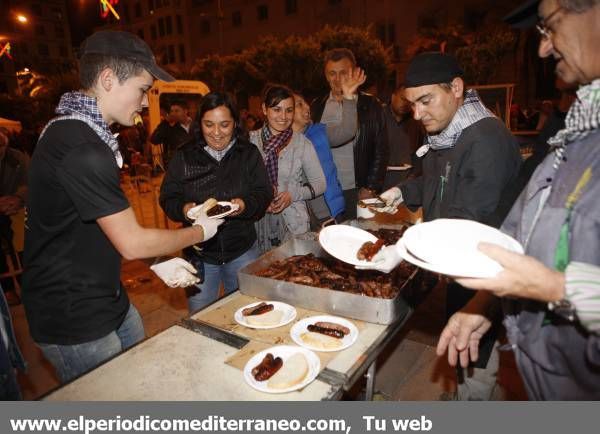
x=298 y=167
x=558 y=360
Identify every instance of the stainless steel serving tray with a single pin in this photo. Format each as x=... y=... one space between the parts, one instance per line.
x=370 y=309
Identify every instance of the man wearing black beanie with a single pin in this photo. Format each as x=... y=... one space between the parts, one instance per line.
x=469 y=159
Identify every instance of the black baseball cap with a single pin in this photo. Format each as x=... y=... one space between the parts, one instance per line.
x=523 y=16
x=124 y=45
x=432 y=68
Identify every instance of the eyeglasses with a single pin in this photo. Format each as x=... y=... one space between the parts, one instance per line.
x=542 y=26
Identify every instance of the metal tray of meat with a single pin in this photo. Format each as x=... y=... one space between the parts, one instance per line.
x=370 y=309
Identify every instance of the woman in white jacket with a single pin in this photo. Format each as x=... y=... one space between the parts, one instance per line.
x=293 y=167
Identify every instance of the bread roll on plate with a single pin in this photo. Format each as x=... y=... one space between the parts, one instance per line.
x=266 y=319
x=320 y=341
x=194 y=212
x=293 y=371
x=209 y=203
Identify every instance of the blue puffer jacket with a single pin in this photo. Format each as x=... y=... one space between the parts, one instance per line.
x=334 y=197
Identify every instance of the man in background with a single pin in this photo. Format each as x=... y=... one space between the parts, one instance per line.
x=361 y=162
x=405 y=136
x=173 y=131
x=13 y=192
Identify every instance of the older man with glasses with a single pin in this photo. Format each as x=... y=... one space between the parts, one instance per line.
x=551 y=295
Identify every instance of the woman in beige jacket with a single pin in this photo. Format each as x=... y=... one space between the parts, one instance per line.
x=293 y=167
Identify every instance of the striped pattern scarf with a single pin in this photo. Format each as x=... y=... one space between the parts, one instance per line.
x=472 y=110
x=583 y=118
x=272 y=145
x=76 y=105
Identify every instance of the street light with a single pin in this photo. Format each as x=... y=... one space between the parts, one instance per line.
x=22 y=19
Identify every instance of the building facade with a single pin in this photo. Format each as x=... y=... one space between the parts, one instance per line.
x=180 y=31
x=39 y=38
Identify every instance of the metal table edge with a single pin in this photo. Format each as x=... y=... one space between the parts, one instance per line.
x=372 y=352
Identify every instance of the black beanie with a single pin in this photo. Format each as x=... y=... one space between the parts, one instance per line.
x=431 y=68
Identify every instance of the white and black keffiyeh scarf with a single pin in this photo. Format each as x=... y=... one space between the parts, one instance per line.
x=472 y=110
x=583 y=118
x=77 y=105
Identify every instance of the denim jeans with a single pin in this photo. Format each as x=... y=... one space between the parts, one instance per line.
x=215 y=274
x=70 y=361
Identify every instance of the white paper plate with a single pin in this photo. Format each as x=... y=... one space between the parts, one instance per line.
x=289 y=314
x=364 y=211
x=452 y=244
x=283 y=351
x=300 y=327
x=454 y=270
x=343 y=242
x=192 y=212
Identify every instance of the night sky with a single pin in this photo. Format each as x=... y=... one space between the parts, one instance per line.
x=84 y=16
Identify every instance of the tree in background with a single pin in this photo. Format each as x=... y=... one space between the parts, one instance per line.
x=39 y=97
x=294 y=61
x=369 y=51
x=480 y=53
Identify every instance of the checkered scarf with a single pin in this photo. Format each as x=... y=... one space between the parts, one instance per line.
x=76 y=105
x=472 y=110
x=583 y=118
x=272 y=145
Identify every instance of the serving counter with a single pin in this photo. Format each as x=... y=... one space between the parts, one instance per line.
x=202 y=358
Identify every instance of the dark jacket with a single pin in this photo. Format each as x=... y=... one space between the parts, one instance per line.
x=171 y=137
x=371 y=148
x=467 y=180
x=194 y=176
x=13 y=173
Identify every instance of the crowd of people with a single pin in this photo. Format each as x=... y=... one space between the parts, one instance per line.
x=307 y=164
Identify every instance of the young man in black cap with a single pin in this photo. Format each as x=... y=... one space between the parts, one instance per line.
x=551 y=294
x=79 y=222
x=469 y=159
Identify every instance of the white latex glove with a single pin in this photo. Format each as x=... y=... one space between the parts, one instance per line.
x=385 y=260
x=392 y=199
x=176 y=272
x=209 y=226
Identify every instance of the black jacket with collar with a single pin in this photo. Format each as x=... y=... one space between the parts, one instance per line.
x=371 y=150
x=468 y=180
x=194 y=176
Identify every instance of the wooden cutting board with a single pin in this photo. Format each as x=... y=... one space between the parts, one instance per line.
x=222 y=317
x=239 y=359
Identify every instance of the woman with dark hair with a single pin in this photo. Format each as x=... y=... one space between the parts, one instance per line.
x=219 y=163
x=293 y=167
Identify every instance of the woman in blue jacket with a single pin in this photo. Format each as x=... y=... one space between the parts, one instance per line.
x=331 y=204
